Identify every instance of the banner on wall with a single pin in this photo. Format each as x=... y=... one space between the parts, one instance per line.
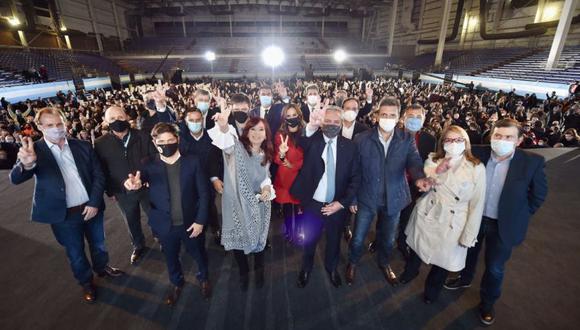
x=34 y=91
x=95 y=83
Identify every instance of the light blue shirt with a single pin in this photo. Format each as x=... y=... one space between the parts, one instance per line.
x=495 y=174
x=320 y=193
x=76 y=193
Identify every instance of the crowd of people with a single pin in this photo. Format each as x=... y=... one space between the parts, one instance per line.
x=440 y=168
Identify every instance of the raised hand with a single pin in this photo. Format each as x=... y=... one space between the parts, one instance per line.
x=283 y=149
x=369 y=91
x=133 y=182
x=444 y=166
x=221 y=118
x=26 y=153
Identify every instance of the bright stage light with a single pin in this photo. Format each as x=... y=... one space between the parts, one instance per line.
x=273 y=56
x=550 y=12
x=210 y=56
x=14 y=21
x=340 y=56
x=473 y=22
x=63 y=28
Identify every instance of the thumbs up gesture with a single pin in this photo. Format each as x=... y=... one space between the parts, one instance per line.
x=26 y=153
x=133 y=182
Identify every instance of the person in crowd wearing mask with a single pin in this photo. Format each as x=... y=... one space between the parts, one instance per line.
x=572 y=118
x=445 y=221
x=179 y=197
x=339 y=97
x=325 y=189
x=516 y=187
x=267 y=110
x=385 y=154
x=157 y=110
x=202 y=98
x=413 y=118
x=312 y=101
x=8 y=152
x=194 y=140
x=571 y=138
x=121 y=153
x=247 y=188
x=68 y=195
x=290 y=158
x=554 y=134
x=350 y=129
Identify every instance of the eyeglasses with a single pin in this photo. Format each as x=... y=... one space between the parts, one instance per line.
x=456 y=140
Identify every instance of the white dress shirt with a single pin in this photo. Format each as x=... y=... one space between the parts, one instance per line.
x=76 y=193
x=348 y=132
x=320 y=193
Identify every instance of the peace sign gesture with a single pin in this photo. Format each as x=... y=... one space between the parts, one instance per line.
x=133 y=182
x=221 y=102
x=222 y=117
x=26 y=153
x=283 y=148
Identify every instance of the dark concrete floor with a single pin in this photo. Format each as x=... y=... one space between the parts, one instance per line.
x=541 y=288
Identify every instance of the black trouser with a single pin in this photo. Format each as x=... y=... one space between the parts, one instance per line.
x=435 y=279
x=213 y=221
x=130 y=205
x=291 y=219
x=195 y=246
x=403 y=221
x=243 y=264
x=314 y=224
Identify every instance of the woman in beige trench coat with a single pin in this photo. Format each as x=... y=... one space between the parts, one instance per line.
x=446 y=220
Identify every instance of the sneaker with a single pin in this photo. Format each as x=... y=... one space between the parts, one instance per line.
x=456 y=283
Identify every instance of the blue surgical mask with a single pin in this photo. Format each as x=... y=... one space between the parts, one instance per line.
x=413 y=124
x=203 y=106
x=265 y=100
x=194 y=127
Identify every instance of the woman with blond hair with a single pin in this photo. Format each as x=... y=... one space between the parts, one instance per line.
x=446 y=220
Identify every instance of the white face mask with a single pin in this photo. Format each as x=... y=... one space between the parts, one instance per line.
x=313 y=100
x=502 y=147
x=387 y=124
x=454 y=149
x=54 y=134
x=349 y=115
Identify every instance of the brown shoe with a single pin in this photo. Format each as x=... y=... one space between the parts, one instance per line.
x=173 y=295
x=350 y=273
x=109 y=271
x=89 y=293
x=205 y=289
x=390 y=275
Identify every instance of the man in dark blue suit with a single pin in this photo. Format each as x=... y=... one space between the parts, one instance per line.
x=386 y=154
x=326 y=186
x=68 y=195
x=179 y=197
x=266 y=110
x=516 y=187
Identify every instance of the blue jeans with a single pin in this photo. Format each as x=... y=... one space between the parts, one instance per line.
x=171 y=243
x=497 y=254
x=71 y=234
x=385 y=238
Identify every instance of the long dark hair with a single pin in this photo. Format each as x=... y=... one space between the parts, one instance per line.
x=267 y=146
x=284 y=131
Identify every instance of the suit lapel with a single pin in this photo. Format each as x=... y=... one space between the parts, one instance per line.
x=76 y=153
x=48 y=154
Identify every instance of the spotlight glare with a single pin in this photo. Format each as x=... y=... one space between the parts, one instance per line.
x=14 y=21
x=273 y=56
x=550 y=12
x=340 y=56
x=63 y=28
x=210 y=56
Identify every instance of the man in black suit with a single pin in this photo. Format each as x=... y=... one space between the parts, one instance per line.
x=326 y=186
x=179 y=195
x=516 y=187
x=68 y=195
x=121 y=153
x=312 y=103
x=266 y=110
x=202 y=98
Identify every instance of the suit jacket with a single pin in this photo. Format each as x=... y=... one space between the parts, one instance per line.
x=358 y=128
x=523 y=193
x=274 y=117
x=402 y=156
x=194 y=193
x=347 y=172
x=305 y=112
x=49 y=199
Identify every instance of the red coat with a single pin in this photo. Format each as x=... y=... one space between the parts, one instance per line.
x=285 y=176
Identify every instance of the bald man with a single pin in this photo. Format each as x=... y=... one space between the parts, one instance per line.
x=121 y=153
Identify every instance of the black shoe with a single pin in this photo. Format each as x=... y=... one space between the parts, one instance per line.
x=372 y=247
x=89 y=293
x=404 y=251
x=137 y=255
x=172 y=295
x=427 y=301
x=334 y=278
x=259 y=278
x=456 y=283
x=405 y=278
x=347 y=234
x=109 y=271
x=303 y=278
x=486 y=315
x=390 y=275
x=244 y=282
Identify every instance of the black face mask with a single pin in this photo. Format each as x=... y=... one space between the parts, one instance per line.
x=331 y=131
x=240 y=116
x=151 y=105
x=119 y=125
x=293 y=122
x=167 y=150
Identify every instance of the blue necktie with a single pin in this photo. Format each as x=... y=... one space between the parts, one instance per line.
x=330 y=172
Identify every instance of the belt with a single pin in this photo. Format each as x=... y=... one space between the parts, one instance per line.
x=76 y=209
